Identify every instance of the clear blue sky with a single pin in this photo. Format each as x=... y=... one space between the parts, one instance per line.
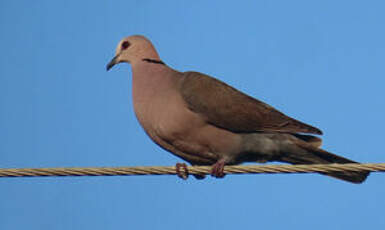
x=321 y=62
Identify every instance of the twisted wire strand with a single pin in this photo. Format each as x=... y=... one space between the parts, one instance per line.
x=171 y=170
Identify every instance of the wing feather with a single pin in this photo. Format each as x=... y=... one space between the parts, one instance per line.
x=228 y=108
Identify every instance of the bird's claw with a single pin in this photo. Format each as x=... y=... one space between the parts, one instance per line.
x=217 y=169
x=182 y=174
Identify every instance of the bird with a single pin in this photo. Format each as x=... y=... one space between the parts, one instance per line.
x=205 y=121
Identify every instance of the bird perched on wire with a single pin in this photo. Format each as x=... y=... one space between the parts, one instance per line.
x=207 y=122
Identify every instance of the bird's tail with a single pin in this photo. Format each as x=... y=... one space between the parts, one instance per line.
x=316 y=155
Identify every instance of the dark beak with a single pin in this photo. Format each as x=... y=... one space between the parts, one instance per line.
x=112 y=62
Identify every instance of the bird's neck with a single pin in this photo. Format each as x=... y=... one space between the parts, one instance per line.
x=154 y=61
x=151 y=75
x=151 y=82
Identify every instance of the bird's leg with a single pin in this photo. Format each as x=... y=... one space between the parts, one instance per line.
x=217 y=169
x=184 y=174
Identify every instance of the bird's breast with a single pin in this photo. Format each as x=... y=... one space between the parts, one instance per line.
x=165 y=116
x=172 y=122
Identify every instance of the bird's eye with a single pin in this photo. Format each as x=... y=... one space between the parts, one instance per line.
x=125 y=45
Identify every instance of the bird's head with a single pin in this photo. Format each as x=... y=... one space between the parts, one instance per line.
x=133 y=49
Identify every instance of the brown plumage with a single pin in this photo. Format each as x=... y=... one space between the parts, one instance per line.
x=219 y=102
x=207 y=122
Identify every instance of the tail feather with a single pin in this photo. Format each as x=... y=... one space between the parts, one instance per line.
x=318 y=156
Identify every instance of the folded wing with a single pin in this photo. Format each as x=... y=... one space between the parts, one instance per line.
x=228 y=108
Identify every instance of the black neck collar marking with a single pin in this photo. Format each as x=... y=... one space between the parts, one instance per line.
x=153 y=61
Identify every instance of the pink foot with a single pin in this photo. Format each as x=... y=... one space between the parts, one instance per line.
x=217 y=169
x=182 y=174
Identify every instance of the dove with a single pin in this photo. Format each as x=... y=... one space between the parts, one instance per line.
x=204 y=121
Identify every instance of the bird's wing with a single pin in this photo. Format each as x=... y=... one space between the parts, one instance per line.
x=228 y=108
